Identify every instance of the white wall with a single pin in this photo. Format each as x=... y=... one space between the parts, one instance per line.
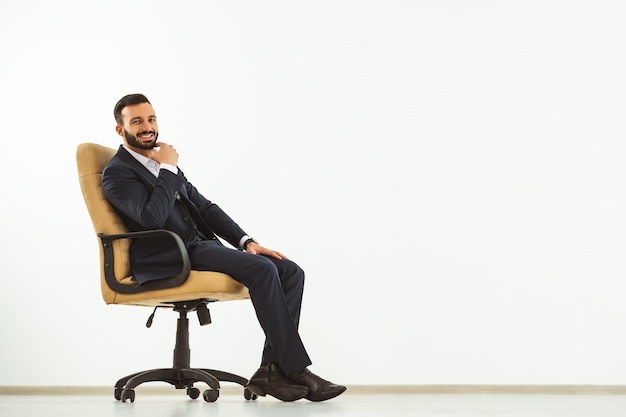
x=449 y=174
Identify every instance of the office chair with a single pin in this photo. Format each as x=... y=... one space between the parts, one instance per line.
x=187 y=292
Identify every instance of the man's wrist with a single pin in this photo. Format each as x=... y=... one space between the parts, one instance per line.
x=247 y=242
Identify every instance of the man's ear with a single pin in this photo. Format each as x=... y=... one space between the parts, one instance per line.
x=120 y=130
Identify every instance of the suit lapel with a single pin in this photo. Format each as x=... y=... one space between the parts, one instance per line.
x=138 y=166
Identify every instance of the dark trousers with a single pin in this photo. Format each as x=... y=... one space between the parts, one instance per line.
x=275 y=287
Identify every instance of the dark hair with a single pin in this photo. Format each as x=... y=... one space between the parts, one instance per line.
x=127 y=100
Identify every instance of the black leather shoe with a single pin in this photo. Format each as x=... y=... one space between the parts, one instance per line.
x=319 y=388
x=270 y=379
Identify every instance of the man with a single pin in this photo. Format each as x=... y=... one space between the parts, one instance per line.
x=143 y=183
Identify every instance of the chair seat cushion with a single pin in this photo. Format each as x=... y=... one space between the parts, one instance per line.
x=200 y=284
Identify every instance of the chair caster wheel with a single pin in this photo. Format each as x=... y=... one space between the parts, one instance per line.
x=210 y=395
x=128 y=394
x=249 y=395
x=193 y=392
x=117 y=394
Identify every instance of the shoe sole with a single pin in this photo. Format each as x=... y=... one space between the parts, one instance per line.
x=318 y=398
x=284 y=393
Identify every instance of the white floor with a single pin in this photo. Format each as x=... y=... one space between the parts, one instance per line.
x=361 y=405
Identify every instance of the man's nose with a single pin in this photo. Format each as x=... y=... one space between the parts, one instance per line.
x=145 y=126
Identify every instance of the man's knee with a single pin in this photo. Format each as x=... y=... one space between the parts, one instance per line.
x=265 y=267
x=299 y=272
x=278 y=271
x=291 y=270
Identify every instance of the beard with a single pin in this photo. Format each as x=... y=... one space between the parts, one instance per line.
x=134 y=141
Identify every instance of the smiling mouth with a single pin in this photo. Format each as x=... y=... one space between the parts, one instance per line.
x=145 y=135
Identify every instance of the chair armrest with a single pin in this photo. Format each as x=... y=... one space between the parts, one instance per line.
x=117 y=286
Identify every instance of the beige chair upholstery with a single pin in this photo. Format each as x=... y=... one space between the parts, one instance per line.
x=189 y=291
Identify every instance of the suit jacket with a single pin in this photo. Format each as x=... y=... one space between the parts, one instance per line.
x=170 y=202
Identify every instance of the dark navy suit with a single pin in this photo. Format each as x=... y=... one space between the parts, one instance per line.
x=171 y=202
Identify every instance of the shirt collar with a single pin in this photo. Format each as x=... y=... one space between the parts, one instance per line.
x=150 y=164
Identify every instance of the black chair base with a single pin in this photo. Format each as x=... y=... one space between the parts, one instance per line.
x=181 y=378
x=180 y=374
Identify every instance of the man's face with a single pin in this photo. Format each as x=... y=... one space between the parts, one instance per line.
x=140 y=129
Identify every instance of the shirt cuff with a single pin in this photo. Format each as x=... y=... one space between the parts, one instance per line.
x=170 y=168
x=242 y=240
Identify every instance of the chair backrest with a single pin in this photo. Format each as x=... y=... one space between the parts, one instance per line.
x=91 y=159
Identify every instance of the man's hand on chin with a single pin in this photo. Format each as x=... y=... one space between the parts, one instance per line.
x=164 y=154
